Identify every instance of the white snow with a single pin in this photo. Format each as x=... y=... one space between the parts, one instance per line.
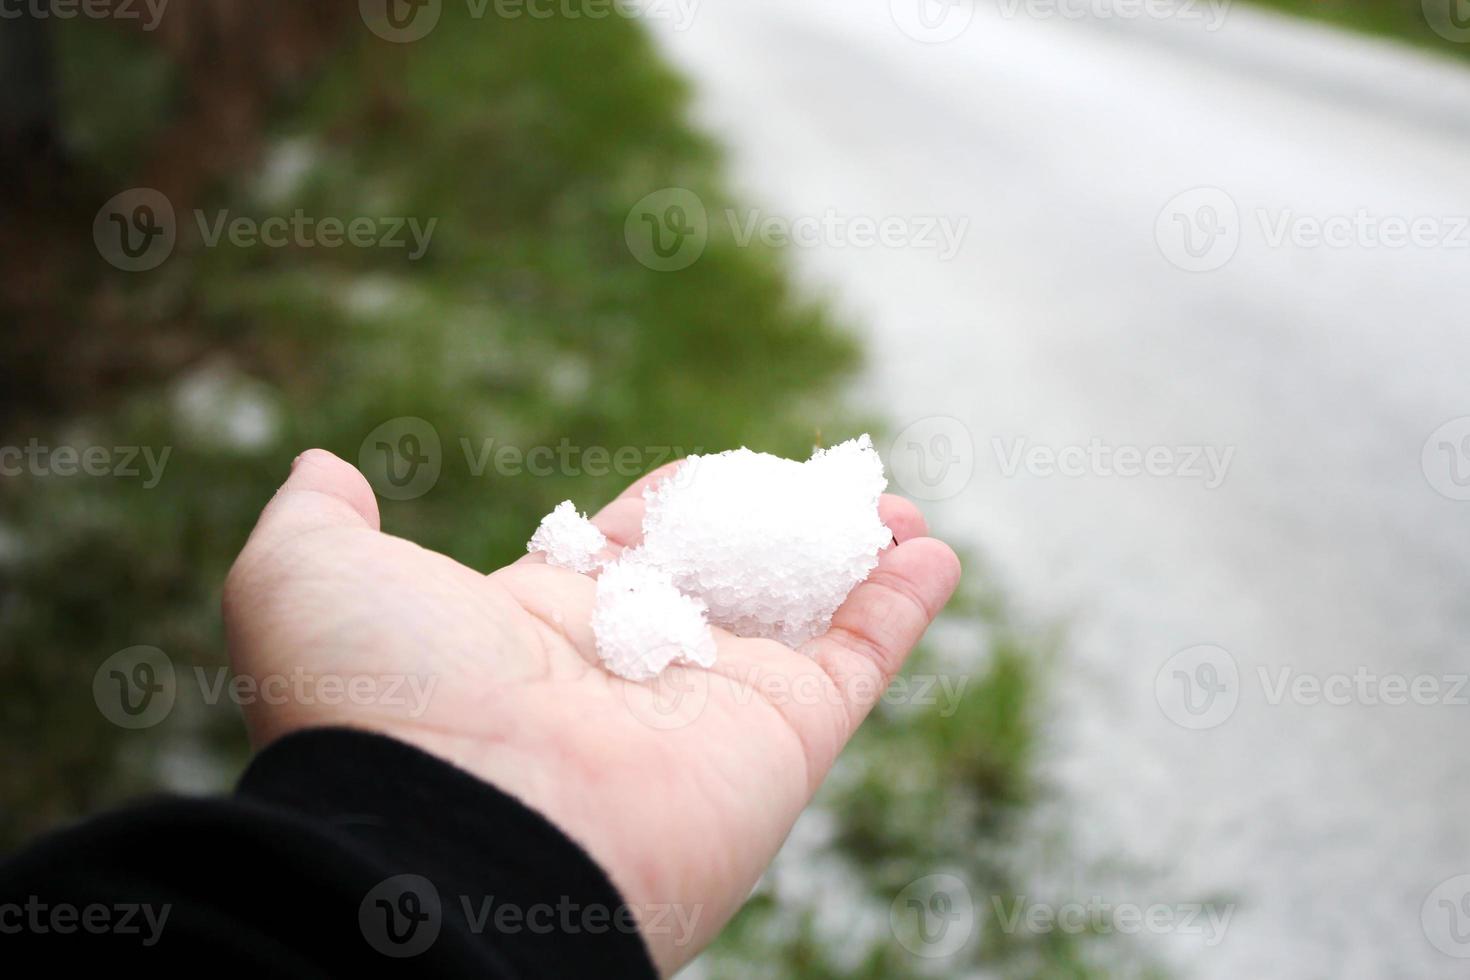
x=569 y=539
x=749 y=542
x=642 y=623
x=771 y=545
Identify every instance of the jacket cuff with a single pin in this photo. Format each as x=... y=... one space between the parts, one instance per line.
x=455 y=859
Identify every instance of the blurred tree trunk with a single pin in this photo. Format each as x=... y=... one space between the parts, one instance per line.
x=28 y=104
x=235 y=58
x=33 y=168
x=69 y=341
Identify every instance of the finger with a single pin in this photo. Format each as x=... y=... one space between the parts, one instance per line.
x=899 y=513
x=636 y=488
x=322 y=491
x=624 y=524
x=882 y=619
x=621 y=522
x=902 y=518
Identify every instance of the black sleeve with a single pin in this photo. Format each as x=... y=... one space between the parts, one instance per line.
x=341 y=853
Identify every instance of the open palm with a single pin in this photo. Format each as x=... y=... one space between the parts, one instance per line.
x=682 y=788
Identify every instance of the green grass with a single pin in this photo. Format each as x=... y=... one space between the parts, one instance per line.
x=1404 y=20
x=941 y=780
x=527 y=323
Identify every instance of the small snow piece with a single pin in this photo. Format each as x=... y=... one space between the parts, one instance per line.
x=569 y=539
x=749 y=542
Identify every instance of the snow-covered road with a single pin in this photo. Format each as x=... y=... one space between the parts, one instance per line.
x=1207 y=419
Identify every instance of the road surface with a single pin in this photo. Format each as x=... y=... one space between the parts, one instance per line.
x=1189 y=381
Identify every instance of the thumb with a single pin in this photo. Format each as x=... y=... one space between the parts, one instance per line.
x=322 y=491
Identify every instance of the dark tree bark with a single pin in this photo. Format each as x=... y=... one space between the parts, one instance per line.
x=67 y=339
x=29 y=134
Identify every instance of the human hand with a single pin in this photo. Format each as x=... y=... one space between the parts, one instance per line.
x=683 y=807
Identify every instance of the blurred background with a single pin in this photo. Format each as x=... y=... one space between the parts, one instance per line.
x=1155 y=305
